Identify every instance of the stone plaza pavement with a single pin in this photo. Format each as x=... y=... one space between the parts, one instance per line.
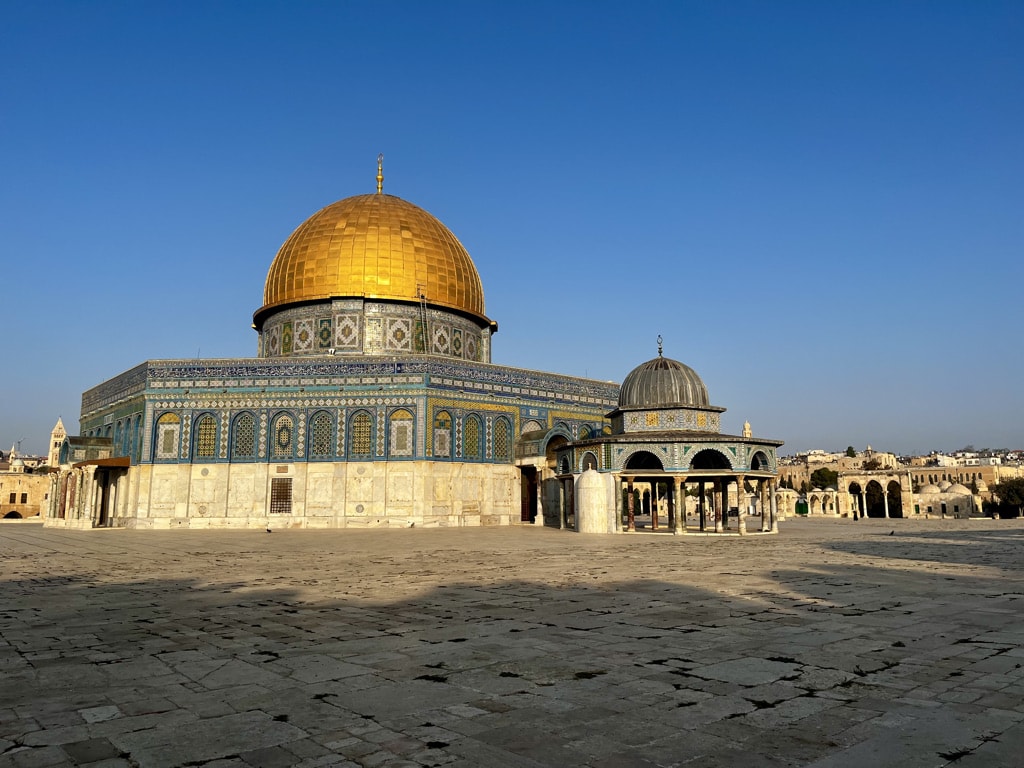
x=836 y=643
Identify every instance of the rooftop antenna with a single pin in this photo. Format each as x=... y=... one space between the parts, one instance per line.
x=380 y=173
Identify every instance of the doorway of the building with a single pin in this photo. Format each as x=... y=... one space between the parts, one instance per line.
x=528 y=494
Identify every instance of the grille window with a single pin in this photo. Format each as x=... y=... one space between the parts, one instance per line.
x=281 y=496
x=321 y=434
x=471 y=439
x=282 y=438
x=244 y=443
x=502 y=435
x=362 y=435
x=206 y=437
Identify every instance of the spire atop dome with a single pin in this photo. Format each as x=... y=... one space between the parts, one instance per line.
x=659 y=345
x=380 y=173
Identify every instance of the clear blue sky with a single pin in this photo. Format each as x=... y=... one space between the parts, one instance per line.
x=819 y=206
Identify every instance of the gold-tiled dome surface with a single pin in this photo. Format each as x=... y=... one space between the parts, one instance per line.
x=374 y=246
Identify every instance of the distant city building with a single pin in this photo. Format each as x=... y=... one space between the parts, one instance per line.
x=23 y=493
x=936 y=485
x=57 y=436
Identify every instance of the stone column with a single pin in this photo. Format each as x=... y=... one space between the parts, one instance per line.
x=86 y=493
x=719 y=489
x=678 y=498
x=701 y=503
x=561 y=505
x=570 y=501
x=768 y=510
x=630 y=507
x=618 y=503
x=863 y=501
x=773 y=488
x=654 y=505
x=885 y=500
x=741 y=518
x=539 y=519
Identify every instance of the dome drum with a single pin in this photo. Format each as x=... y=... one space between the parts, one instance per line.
x=358 y=327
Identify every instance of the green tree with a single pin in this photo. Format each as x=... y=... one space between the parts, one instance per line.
x=1011 y=493
x=823 y=477
x=851 y=451
x=872 y=464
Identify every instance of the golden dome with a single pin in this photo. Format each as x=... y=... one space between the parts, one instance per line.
x=376 y=247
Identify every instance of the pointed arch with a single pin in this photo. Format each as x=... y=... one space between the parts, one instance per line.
x=282 y=437
x=710 y=458
x=643 y=460
x=442 y=435
x=502 y=440
x=243 y=436
x=472 y=438
x=321 y=435
x=204 y=438
x=166 y=436
x=360 y=435
x=401 y=433
x=759 y=462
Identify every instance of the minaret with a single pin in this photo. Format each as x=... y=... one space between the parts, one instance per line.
x=56 y=440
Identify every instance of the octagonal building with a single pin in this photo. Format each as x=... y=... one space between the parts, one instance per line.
x=372 y=401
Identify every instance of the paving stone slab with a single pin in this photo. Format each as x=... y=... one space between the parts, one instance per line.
x=832 y=644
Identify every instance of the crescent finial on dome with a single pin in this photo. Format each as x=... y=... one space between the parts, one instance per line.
x=659 y=345
x=380 y=173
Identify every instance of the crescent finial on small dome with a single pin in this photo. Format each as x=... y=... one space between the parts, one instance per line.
x=659 y=345
x=380 y=173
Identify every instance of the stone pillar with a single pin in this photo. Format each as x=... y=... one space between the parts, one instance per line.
x=86 y=493
x=701 y=505
x=773 y=508
x=539 y=518
x=670 y=498
x=885 y=500
x=630 y=507
x=773 y=488
x=741 y=517
x=863 y=501
x=561 y=505
x=570 y=501
x=678 y=497
x=654 y=505
x=719 y=489
x=766 y=492
x=618 y=503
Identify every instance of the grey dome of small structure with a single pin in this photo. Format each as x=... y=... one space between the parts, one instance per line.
x=662 y=383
